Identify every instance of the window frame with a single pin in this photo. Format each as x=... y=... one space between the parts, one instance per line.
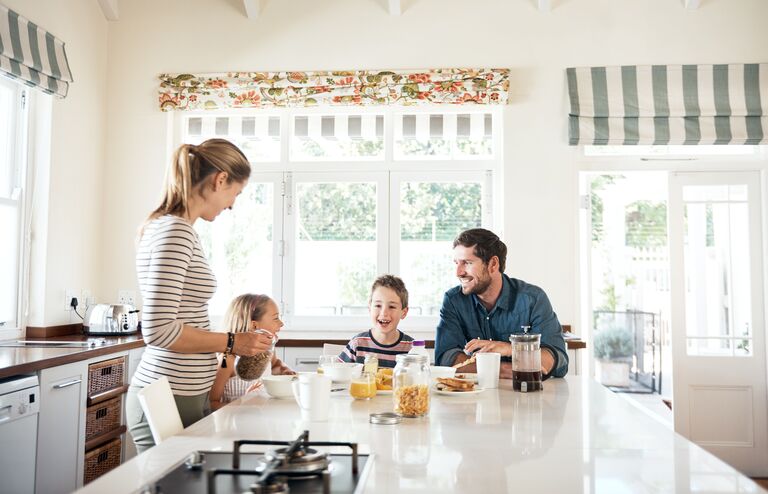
x=488 y=170
x=20 y=178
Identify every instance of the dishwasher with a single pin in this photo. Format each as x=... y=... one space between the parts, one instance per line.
x=19 y=406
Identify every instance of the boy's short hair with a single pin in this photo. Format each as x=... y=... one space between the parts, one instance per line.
x=393 y=283
x=486 y=245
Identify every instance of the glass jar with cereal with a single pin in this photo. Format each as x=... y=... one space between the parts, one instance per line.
x=411 y=385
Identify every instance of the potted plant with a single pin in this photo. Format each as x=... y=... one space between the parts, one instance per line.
x=613 y=350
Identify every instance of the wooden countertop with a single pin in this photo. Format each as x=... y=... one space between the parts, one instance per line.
x=15 y=360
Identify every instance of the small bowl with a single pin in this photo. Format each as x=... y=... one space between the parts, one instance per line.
x=278 y=386
x=342 y=371
x=441 y=371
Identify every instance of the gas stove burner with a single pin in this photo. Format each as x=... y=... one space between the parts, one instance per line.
x=195 y=461
x=278 y=485
x=303 y=459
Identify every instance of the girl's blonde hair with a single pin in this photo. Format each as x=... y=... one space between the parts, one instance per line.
x=191 y=166
x=244 y=309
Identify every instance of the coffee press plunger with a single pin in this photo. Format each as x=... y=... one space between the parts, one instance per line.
x=526 y=361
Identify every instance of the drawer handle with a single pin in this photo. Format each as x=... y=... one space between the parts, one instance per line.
x=307 y=361
x=67 y=384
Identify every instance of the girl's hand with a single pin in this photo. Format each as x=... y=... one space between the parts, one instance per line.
x=253 y=387
x=250 y=343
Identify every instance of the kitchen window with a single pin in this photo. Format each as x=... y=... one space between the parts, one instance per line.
x=13 y=118
x=337 y=198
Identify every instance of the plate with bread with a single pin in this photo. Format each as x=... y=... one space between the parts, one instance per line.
x=452 y=386
x=384 y=381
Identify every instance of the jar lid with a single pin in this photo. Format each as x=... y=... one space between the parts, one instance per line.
x=412 y=358
x=387 y=418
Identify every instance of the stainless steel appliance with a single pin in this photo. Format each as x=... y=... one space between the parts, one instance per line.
x=111 y=319
x=19 y=406
x=293 y=466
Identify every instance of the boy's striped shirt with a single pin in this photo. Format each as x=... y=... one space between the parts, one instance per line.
x=365 y=344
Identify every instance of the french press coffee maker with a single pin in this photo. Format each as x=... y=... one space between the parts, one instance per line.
x=526 y=361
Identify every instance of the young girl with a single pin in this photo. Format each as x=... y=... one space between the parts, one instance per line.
x=246 y=313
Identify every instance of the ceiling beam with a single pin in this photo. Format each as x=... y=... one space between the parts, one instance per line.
x=544 y=5
x=394 y=7
x=692 y=4
x=109 y=9
x=252 y=8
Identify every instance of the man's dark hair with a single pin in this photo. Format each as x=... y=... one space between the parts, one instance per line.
x=486 y=243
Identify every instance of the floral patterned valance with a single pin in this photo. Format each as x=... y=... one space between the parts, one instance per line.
x=354 y=88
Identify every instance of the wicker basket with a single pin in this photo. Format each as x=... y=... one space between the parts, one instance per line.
x=103 y=417
x=105 y=375
x=101 y=460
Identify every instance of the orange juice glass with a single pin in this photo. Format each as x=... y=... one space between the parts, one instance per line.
x=363 y=387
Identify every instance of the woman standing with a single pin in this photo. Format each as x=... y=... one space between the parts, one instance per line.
x=176 y=283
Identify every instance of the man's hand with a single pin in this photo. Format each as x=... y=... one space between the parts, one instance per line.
x=547 y=361
x=484 y=346
x=469 y=368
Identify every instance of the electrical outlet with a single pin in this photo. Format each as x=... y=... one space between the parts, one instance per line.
x=86 y=298
x=127 y=297
x=69 y=294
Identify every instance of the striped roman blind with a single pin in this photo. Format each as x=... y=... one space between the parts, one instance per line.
x=32 y=54
x=668 y=104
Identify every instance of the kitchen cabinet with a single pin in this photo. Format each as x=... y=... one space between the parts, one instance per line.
x=61 y=428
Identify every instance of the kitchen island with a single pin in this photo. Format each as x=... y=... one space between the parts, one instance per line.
x=574 y=437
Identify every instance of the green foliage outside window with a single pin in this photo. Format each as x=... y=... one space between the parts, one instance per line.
x=439 y=211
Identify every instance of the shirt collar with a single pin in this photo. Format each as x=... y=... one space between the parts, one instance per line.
x=505 y=297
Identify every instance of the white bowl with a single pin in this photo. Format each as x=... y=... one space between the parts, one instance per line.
x=342 y=371
x=441 y=371
x=278 y=386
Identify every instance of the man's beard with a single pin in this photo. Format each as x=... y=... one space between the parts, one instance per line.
x=480 y=286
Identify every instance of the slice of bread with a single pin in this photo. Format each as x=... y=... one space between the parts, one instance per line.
x=453 y=384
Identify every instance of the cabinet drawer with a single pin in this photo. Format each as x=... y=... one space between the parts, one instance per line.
x=105 y=375
x=103 y=417
x=101 y=460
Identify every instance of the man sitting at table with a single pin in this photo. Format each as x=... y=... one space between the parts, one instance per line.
x=480 y=314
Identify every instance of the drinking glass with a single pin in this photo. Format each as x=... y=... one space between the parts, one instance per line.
x=363 y=387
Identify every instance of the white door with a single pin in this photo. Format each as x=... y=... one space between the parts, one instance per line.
x=718 y=330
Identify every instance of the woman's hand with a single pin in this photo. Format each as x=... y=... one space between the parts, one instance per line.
x=483 y=346
x=250 y=343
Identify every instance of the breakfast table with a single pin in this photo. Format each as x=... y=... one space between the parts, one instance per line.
x=575 y=436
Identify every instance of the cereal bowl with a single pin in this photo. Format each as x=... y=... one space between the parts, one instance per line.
x=437 y=371
x=342 y=371
x=278 y=386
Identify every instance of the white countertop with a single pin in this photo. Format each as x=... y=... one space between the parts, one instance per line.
x=574 y=437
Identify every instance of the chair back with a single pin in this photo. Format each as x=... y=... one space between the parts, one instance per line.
x=330 y=349
x=160 y=409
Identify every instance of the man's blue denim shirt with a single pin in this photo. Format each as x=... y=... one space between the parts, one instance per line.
x=463 y=317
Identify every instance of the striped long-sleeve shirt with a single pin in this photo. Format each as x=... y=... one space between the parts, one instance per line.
x=176 y=283
x=364 y=343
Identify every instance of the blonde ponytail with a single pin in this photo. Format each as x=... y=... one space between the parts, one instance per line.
x=191 y=166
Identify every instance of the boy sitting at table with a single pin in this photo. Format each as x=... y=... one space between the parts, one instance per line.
x=387 y=305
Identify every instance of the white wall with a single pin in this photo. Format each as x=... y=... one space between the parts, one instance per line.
x=67 y=211
x=153 y=37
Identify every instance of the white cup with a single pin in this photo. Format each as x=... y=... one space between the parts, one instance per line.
x=488 y=369
x=313 y=394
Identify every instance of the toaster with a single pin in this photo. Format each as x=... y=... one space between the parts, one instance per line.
x=111 y=319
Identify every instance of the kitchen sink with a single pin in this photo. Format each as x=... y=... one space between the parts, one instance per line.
x=48 y=344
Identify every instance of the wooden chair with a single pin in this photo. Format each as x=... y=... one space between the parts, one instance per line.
x=160 y=409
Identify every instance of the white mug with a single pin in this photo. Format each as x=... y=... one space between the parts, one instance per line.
x=313 y=394
x=488 y=369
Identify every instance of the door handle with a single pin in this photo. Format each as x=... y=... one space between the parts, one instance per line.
x=67 y=384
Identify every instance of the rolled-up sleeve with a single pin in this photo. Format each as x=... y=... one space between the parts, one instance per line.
x=544 y=321
x=449 y=337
